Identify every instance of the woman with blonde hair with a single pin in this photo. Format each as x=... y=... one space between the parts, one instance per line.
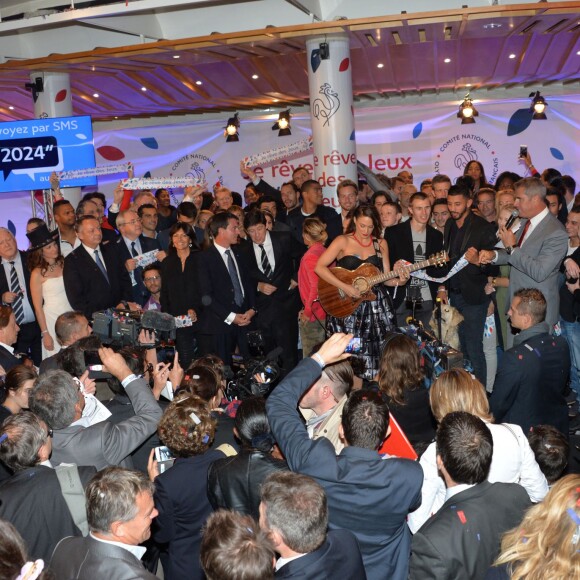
x=547 y=542
x=312 y=317
x=513 y=460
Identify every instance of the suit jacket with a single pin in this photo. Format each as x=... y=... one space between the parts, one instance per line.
x=105 y=444
x=88 y=559
x=536 y=263
x=462 y=539
x=181 y=498
x=140 y=293
x=366 y=494
x=8 y=360
x=400 y=243
x=480 y=235
x=41 y=523
x=531 y=380
x=338 y=557
x=569 y=303
x=283 y=302
x=5 y=282
x=87 y=289
x=217 y=291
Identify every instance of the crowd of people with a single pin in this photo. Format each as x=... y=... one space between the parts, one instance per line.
x=147 y=461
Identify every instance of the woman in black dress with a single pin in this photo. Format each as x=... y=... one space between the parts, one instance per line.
x=372 y=320
x=179 y=294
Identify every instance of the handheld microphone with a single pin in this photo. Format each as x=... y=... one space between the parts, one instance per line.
x=513 y=217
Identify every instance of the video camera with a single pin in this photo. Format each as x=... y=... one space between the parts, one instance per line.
x=122 y=326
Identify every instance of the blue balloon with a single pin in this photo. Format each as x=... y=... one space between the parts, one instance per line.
x=351 y=138
x=150 y=142
x=417 y=130
x=11 y=227
x=556 y=153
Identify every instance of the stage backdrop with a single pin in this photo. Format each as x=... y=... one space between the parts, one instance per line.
x=425 y=140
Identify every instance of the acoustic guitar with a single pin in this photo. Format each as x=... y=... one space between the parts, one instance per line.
x=338 y=304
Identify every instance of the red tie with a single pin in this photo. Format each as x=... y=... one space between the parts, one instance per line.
x=526 y=227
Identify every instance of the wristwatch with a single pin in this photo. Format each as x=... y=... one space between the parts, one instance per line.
x=509 y=249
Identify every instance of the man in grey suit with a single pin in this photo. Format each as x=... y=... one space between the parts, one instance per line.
x=58 y=401
x=120 y=510
x=536 y=253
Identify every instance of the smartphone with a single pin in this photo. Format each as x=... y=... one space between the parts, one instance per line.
x=164 y=458
x=523 y=151
x=354 y=346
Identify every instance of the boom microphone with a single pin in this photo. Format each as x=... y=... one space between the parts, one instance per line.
x=513 y=217
x=155 y=320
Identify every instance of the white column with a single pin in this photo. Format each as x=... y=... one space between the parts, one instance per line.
x=331 y=111
x=56 y=101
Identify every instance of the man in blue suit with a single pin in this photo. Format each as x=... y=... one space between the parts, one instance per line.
x=294 y=512
x=133 y=243
x=367 y=494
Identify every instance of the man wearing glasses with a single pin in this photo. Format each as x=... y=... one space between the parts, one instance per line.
x=152 y=282
x=132 y=244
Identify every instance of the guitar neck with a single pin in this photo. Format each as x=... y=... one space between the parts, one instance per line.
x=374 y=280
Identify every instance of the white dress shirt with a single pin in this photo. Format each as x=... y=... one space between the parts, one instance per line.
x=91 y=252
x=269 y=252
x=222 y=251
x=137 y=551
x=533 y=224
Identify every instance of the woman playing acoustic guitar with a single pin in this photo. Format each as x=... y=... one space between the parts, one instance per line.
x=372 y=320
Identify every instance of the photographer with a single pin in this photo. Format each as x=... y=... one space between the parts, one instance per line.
x=58 y=401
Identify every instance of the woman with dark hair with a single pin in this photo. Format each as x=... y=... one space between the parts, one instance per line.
x=166 y=213
x=49 y=299
x=14 y=392
x=476 y=171
x=179 y=294
x=372 y=320
x=203 y=381
x=506 y=180
x=187 y=429
x=234 y=482
x=401 y=379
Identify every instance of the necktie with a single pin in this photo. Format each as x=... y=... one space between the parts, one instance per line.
x=133 y=250
x=101 y=266
x=526 y=228
x=17 y=307
x=238 y=295
x=266 y=267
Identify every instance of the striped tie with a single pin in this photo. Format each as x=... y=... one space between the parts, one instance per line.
x=17 y=307
x=266 y=268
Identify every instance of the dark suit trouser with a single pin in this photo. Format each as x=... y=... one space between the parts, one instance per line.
x=223 y=345
x=281 y=331
x=185 y=345
x=29 y=342
x=471 y=333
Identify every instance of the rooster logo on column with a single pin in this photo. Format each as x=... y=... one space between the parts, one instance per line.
x=326 y=108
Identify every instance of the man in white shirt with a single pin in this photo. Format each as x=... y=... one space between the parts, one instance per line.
x=120 y=511
x=536 y=253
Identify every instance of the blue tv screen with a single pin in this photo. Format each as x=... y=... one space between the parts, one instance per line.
x=31 y=150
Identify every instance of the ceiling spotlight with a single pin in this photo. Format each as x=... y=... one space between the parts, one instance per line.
x=380 y=65
x=232 y=129
x=538 y=106
x=96 y=95
x=255 y=77
x=143 y=89
x=467 y=111
x=283 y=124
x=176 y=56
x=11 y=108
x=512 y=56
x=447 y=60
x=198 y=83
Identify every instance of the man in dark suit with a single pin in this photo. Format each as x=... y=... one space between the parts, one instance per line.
x=15 y=291
x=462 y=539
x=273 y=257
x=532 y=376
x=133 y=243
x=415 y=240
x=294 y=512
x=8 y=336
x=186 y=214
x=95 y=277
x=32 y=499
x=367 y=494
x=227 y=292
x=467 y=233
x=112 y=549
